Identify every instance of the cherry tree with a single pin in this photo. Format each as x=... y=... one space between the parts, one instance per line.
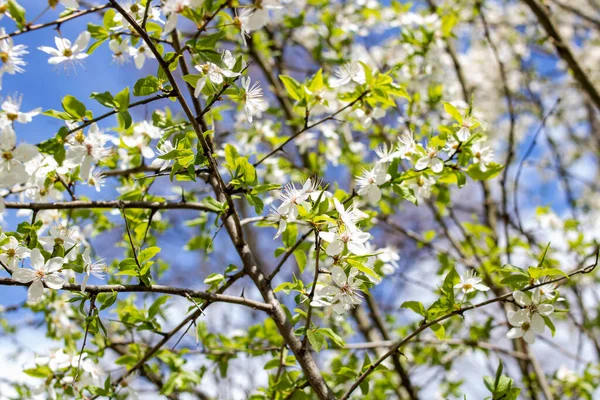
x=303 y=199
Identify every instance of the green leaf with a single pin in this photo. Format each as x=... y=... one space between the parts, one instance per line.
x=124 y=118
x=43 y=371
x=453 y=112
x=213 y=204
x=549 y=324
x=156 y=306
x=359 y=265
x=515 y=279
x=105 y=98
x=337 y=339
x=58 y=114
x=293 y=87
x=416 y=306
x=300 y=256
x=148 y=253
x=109 y=301
x=498 y=374
x=122 y=99
x=543 y=256
x=128 y=264
x=214 y=279
x=73 y=107
x=438 y=331
x=17 y=13
x=492 y=171
x=315 y=339
x=146 y=86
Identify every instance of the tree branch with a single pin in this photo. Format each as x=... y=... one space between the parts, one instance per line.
x=58 y=22
x=424 y=324
x=116 y=204
x=564 y=51
x=183 y=292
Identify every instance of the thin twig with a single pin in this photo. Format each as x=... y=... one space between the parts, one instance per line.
x=425 y=325
x=58 y=22
x=295 y=135
x=116 y=204
x=525 y=157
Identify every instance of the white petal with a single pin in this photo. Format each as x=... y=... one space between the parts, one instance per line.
x=54 y=281
x=327 y=236
x=517 y=318
x=529 y=336
x=437 y=165
x=521 y=298
x=24 y=275
x=82 y=40
x=537 y=323
x=545 y=309
x=514 y=333
x=357 y=248
x=37 y=259
x=35 y=292
x=53 y=265
x=335 y=248
x=422 y=163
x=338 y=275
x=481 y=287
x=339 y=308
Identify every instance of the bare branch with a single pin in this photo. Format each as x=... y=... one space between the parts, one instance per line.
x=116 y=204
x=426 y=324
x=183 y=292
x=58 y=22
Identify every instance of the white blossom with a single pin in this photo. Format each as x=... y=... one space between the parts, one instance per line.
x=68 y=53
x=140 y=54
x=58 y=236
x=12 y=252
x=348 y=74
x=430 y=160
x=344 y=296
x=11 y=56
x=12 y=157
x=528 y=321
x=370 y=180
x=85 y=150
x=42 y=272
x=255 y=102
x=351 y=237
x=12 y=111
x=470 y=282
x=482 y=155
x=120 y=50
x=96 y=268
x=162 y=149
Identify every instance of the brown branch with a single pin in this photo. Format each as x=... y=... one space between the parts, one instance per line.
x=425 y=325
x=295 y=135
x=183 y=292
x=312 y=289
x=113 y=112
x=511 y=130
x=452 y=342
x=231 y=221
x=58 y=22
x=564 y=51
x=287 y=254
x=116 y=204
x=578 y=12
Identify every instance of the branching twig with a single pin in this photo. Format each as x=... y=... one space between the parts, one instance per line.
x=295 y=135
x=426 y=324
x=116 y=204
x=58 y=22
x=183 y=292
